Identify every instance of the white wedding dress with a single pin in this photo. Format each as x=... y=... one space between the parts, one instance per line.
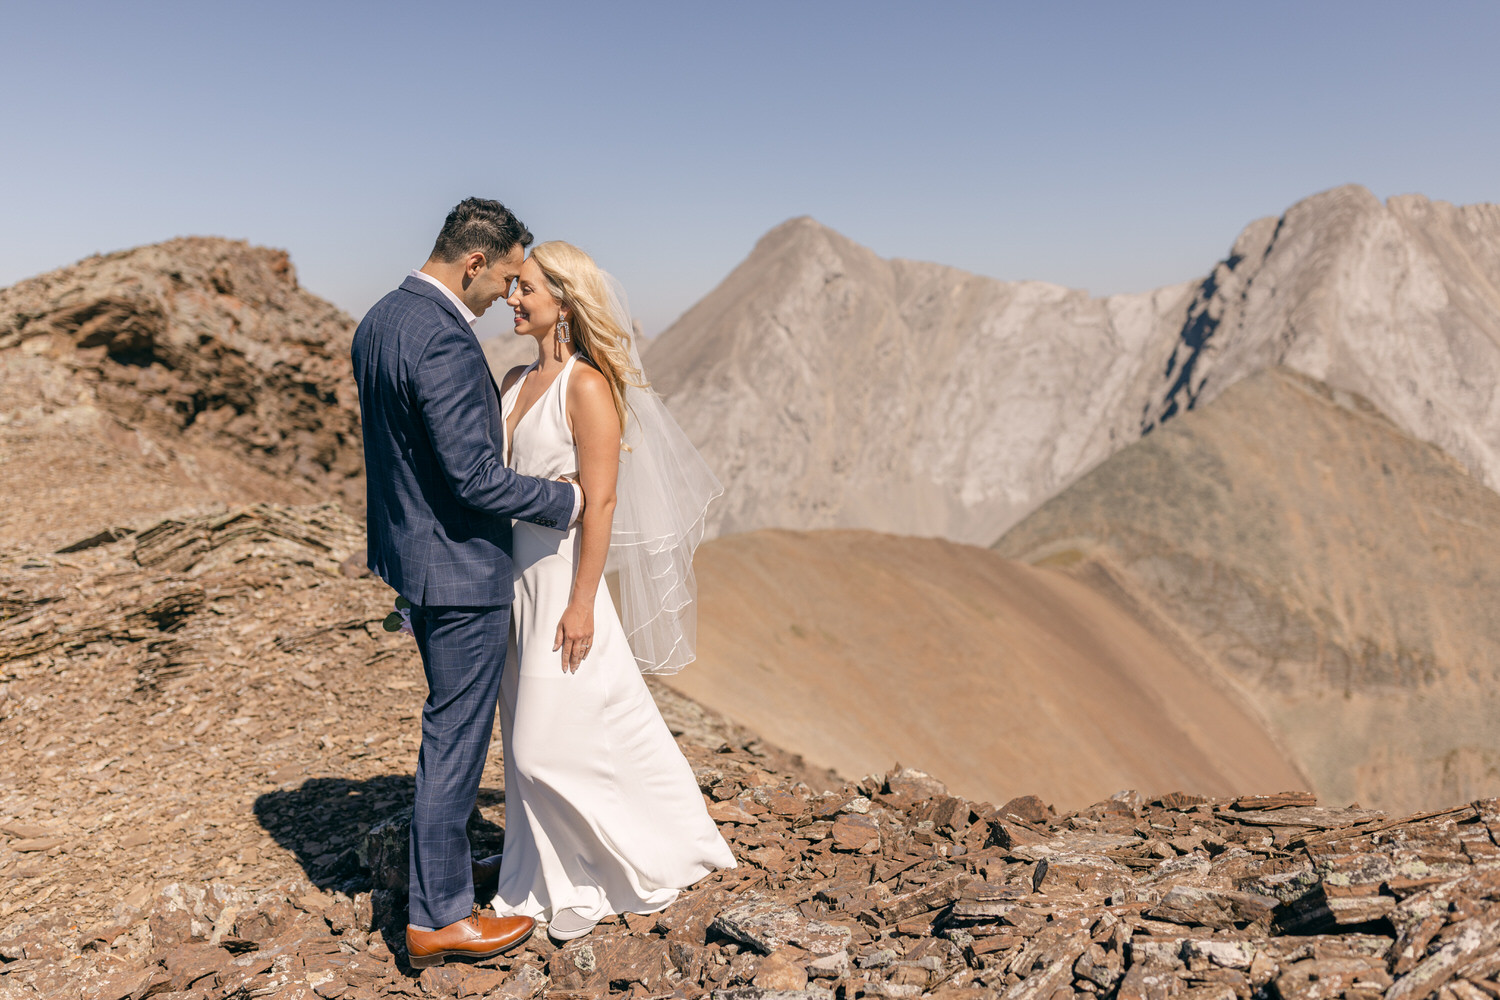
x=602 y=812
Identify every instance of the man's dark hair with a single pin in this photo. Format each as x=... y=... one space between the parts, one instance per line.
x=481 y=224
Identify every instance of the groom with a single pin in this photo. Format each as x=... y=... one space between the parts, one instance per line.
x=440 y=504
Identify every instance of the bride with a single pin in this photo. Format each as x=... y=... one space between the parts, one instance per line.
x=602 y=813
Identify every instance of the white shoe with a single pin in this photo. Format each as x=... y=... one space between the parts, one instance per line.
x=568 y=924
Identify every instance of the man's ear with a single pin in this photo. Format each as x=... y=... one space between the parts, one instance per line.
x=474 y=263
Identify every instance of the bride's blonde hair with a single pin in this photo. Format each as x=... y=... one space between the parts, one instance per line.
x=576 y=282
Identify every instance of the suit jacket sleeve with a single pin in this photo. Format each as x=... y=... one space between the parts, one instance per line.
x=453 y=388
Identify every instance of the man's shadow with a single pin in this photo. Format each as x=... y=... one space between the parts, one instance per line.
x=324 y=821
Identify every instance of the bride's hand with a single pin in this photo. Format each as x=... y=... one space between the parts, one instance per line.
x=575 y=634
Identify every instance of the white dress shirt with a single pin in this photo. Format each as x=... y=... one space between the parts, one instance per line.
x=463 y=310
x=469 y=318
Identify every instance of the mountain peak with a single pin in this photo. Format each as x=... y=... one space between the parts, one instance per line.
x=805 y=237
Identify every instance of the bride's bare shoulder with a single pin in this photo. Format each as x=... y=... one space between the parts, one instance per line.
x=589 y=385
x=510 y=378
x=589 y=395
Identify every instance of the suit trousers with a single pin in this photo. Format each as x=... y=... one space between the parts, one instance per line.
x=463 y=655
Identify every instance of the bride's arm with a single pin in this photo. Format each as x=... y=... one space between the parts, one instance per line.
x=596 y=431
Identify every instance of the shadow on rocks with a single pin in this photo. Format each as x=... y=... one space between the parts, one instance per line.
x=353 y=836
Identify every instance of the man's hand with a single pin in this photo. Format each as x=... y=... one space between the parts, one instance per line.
x=572 y=480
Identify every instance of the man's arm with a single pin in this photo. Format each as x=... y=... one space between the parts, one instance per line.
x=452 y=386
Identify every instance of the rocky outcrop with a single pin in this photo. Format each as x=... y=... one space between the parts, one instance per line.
x=207 y=347
x=1340 y=571
x=831 y=388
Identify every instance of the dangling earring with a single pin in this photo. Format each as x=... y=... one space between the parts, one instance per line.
x=562 y=331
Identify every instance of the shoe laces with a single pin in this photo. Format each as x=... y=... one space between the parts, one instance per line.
x=474 y=915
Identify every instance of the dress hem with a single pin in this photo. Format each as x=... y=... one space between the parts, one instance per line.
x=542 y=913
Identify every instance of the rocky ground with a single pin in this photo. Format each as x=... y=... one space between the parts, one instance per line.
x=213 y=740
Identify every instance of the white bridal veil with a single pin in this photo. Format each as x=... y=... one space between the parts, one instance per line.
x=662 y=497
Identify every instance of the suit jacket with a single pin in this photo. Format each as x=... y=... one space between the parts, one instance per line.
x=440 y=496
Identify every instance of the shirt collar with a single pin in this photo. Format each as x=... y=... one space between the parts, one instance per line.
x=463 y=310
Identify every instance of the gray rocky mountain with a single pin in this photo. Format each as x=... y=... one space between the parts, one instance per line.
x=832 y=388
x=1342 y=574
x=1398 y=302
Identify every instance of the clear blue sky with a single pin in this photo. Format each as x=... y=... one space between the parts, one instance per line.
x=1109 y=146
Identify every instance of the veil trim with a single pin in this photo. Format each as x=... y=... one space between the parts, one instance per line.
x=662 y=495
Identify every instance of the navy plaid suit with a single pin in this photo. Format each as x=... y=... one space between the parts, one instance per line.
x=440 y=504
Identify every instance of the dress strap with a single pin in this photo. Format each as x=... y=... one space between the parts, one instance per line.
x=562 y=388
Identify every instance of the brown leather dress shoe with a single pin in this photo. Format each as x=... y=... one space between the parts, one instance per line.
x=473 y=937
x=486 y=878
